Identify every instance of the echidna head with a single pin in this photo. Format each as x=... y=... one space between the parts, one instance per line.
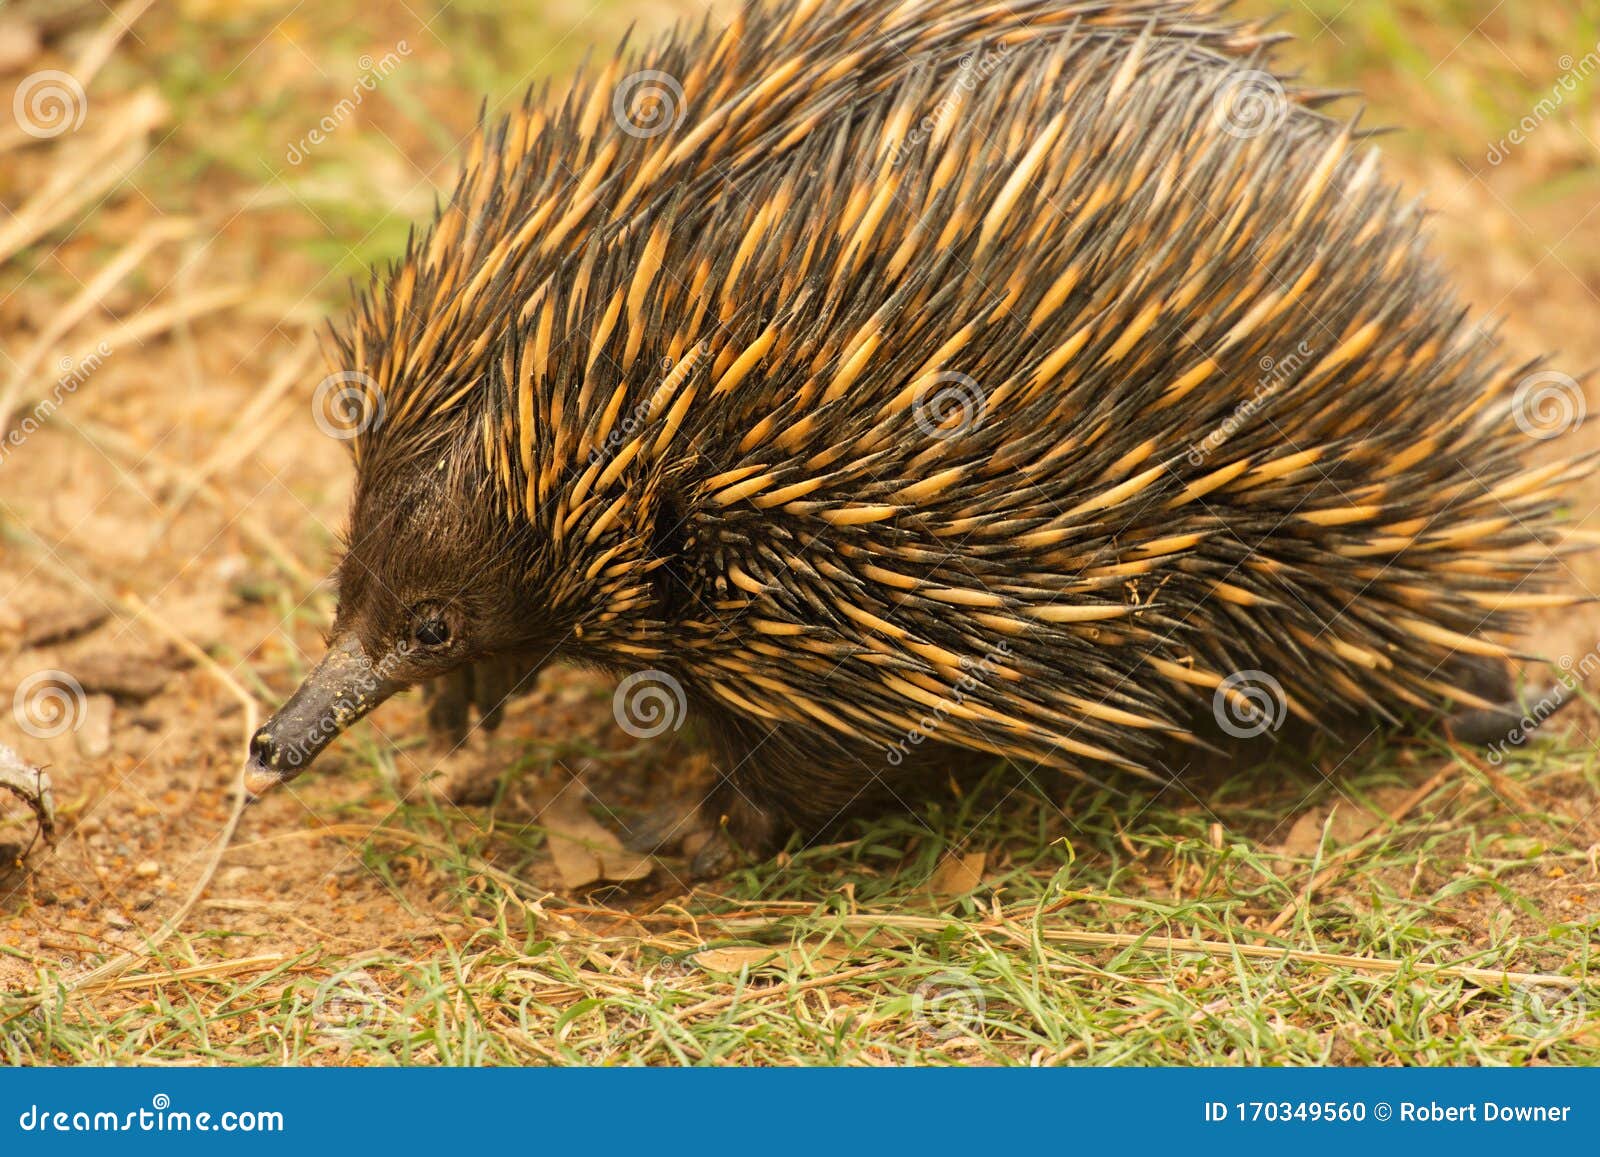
x=430 y=581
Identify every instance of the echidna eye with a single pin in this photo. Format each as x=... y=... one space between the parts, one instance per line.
x=432 y=632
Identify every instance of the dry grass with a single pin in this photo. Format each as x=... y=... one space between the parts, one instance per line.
x=1404 y=903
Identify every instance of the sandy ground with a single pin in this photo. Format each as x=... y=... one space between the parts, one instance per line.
x=164 y=500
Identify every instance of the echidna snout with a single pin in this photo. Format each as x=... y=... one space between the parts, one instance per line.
x=341 y=689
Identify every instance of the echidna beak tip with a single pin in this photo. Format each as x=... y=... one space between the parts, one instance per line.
x=258 y=780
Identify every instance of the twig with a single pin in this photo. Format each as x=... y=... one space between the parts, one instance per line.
x=102 y=437
x=83 y=302
x=142 y=325
x=91 y=59
x=193 y=972
x=103 y=43
x=93 y=170
x=933 y=926
x=98 y=978
x=164 y=317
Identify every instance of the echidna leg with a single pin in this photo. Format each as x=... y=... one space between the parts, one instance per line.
x=449 y=702
x=487 y=685
x=738 y=829
x=1500 y=717
x=775 y=782
x=1509 y=721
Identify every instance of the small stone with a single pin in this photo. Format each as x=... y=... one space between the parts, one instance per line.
x=147 y=869
x=115 y=919
x=94 y=730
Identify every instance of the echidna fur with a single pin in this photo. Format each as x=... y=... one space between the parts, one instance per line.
x=890 y=414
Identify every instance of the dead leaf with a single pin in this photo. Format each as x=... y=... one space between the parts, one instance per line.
x=1351 y=824
x=586 y=851
x=1305 y=835
x=957 y=875
x=32 y=786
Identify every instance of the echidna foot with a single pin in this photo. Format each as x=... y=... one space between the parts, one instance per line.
x=670 y=831
x=466 y=775
x=726 y=830
x=665 y=830
x=717 y=856
x=742 y=830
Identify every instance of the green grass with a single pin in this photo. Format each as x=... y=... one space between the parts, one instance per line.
x=844 y=955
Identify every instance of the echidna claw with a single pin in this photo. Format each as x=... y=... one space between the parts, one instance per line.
x=718 y=856
x=1510 y=723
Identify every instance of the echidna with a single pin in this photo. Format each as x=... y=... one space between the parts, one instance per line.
x=1015 y=378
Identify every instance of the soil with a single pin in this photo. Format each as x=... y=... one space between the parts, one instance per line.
x=104 y=502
